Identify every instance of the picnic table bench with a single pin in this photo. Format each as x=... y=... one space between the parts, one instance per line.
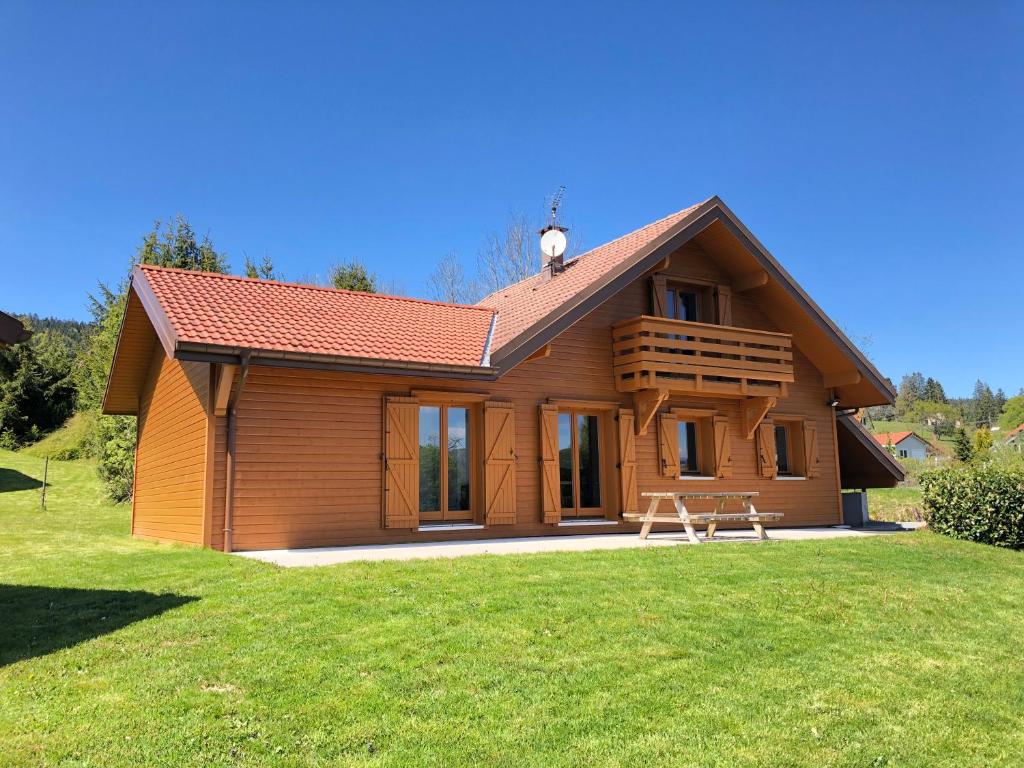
x=684 y=516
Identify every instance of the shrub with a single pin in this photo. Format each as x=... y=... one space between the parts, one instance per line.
x=977 y=503
x=115 y=454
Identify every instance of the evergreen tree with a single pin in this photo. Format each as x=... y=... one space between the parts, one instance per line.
x=37 y=393
x=353 y=277
x=263 y=271
x=962 y=448
x=910 y=391
x=982 y=441
x=933 y=391
x=981 y=407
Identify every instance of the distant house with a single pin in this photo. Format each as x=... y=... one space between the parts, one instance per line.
x=1015 y=438
x=11 y=331
x=904 y=445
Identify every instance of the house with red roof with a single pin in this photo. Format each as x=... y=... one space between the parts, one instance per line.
x=680 y=356
x=1015 y=437
x=905 y=445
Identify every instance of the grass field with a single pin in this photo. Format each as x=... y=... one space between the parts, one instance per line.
x=898 y=651
x=897 y=505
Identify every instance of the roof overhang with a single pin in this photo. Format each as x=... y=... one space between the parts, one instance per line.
x=717 y=230
x=12 y=331
x=863 y=463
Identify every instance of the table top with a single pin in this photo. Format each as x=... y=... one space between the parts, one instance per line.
x=700 y=495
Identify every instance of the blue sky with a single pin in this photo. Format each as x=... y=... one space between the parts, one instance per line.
x=874 y=148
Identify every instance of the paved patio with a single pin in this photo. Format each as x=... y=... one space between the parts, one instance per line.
x=293 y=558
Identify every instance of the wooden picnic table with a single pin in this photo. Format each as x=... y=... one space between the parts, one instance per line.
x=684 y=516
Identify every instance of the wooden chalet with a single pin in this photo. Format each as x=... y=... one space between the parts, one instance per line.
x=679 y=356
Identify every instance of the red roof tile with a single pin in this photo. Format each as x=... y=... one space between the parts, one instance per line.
x=521 y=305
x=1015 y=431
x=892 y=438
x=228 y=311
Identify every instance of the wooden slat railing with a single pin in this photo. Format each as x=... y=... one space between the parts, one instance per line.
x=680 y=356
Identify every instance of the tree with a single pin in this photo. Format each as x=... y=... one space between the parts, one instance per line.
x=353 y=277
x=263 y=271
x=962 y=448
x=981 y=407
x=1013 y=413
x=933 y=391
x=448 y=281
x=941 y=417
x=37 y=393
x=112 y=439
x=910 y=391
x=982 y=440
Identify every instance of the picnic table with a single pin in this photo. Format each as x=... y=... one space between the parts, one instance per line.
x=712 y=519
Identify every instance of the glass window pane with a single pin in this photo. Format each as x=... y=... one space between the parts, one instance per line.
x=687 y=305
x=688 y=448
x=458 y=459
x=590 y=461
x=430 y=458
x=670 y=304
x=782 y=449
x=565 y=459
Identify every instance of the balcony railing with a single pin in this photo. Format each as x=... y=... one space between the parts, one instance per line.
x=698 y=358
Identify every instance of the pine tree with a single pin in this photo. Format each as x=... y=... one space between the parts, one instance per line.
x=263 y=271
x=911 y=390
x=933 y=391
x=962 y=448
x=353 y=277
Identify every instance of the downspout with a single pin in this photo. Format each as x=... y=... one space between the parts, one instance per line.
x=229 y=501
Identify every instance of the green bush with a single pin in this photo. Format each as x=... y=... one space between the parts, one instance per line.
x=115 y=454
x=977 y=503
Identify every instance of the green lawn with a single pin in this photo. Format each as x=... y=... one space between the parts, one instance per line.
x=899 y=651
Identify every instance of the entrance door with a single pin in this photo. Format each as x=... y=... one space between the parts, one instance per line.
x=579 y=463
x=445 y=464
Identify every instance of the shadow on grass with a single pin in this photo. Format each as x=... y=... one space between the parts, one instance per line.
x=13 y=480
x=40 y=620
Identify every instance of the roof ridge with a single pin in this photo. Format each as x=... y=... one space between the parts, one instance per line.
x=307 y=286
x=614 y=240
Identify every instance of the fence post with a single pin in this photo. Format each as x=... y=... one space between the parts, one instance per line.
x=46 y=472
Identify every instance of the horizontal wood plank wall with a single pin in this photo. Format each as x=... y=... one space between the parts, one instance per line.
x=309 y=442
x=171 y=464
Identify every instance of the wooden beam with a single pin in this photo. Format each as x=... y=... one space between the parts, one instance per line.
x=753 y=411
x=585 y=405
x=749 y=281
x=841 y=378
x=662 y=265
x=543 y=352
x=646 y=404
x=224 y=383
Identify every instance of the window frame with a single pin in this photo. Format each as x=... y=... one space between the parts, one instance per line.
x=577 y=511
x=704 y=438
x=795 y=449
x=444 y=514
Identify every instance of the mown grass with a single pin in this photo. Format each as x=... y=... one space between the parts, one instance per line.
x=901 y=651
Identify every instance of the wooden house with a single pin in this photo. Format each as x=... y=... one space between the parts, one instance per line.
x=679 y=356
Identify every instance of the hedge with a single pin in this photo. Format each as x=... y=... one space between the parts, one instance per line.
x=976 y=503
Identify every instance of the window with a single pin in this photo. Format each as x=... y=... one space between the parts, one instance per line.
x=689 y=461
x=783 y=452
x=444 y=441
x=904 y=453
x=579 y=464
x=682 y=303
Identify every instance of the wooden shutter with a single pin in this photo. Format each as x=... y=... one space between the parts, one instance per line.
x=401 y=462
x=811 y=457
x=668 y=445
x=627 y=462
x=723 y=447
x=550 y=496
x=499 y=464
x=724 y=305
x=767 y=461
x=659 y=287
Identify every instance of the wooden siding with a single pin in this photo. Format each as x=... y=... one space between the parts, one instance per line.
x=310 y=442
x=171 y=465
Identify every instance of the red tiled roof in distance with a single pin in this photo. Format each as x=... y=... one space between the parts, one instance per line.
x=892 y=438
x=524 y=303
x=241 y=312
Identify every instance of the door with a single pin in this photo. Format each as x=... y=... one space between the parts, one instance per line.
x=580 y=464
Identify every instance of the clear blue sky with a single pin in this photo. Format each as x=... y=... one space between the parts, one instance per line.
x=876 y=149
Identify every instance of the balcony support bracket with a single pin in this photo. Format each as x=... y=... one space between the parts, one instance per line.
x=753 y=410
x=646 y=404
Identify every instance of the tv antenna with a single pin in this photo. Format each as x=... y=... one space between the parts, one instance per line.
x=552 y=238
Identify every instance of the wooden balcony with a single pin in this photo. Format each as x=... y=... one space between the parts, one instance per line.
x=680 y=357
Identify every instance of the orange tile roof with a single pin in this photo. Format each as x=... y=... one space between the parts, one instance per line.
x=229 y=311
x=521 y=305
x=892 y=438
x=1015 y=431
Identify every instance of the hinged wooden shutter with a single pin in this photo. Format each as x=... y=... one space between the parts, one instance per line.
x=767 y=462
x=811 y=458
x=499 y=464
x=668 y=445
x=723 y=447
x=401 y=463
x=659 y=288
x=550 y=497
x=627 y=462
x=724 y=305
